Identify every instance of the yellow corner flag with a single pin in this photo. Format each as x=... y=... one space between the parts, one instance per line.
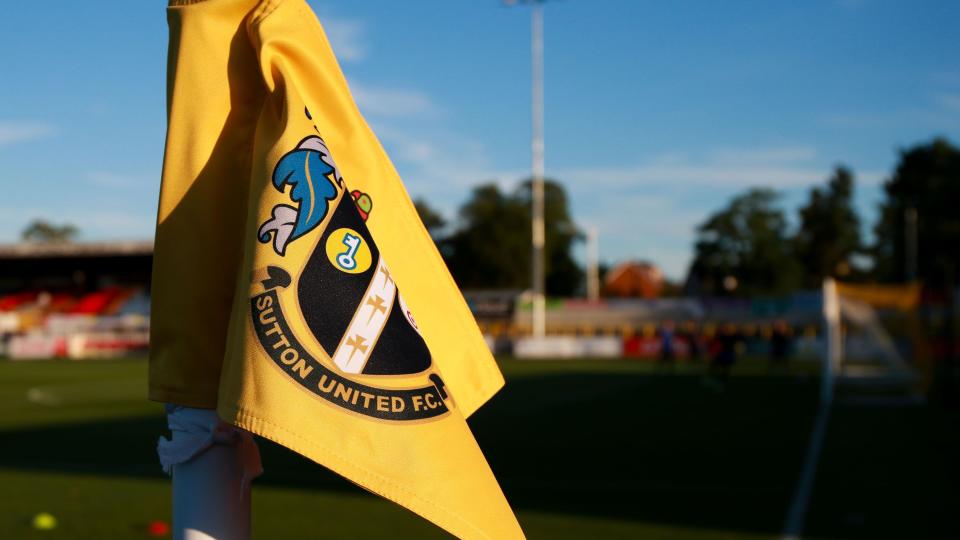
x=295 y=288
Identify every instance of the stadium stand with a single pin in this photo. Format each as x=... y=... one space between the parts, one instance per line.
x=74 y=300
x=86 y=300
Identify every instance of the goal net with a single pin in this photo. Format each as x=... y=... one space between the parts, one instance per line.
x=874 y=347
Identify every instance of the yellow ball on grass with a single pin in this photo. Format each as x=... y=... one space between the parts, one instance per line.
x=44 y=521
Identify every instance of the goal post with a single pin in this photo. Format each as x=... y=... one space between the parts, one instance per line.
x=833 y=346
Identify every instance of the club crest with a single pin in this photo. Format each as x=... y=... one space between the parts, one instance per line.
x=335 y=322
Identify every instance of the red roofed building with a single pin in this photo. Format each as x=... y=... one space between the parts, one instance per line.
x=633 y=279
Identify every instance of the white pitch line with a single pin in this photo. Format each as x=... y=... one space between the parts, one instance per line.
x=793 y=528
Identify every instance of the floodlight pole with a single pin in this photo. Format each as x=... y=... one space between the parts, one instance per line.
x=538 y=235
x=537 y=166
x=593 y=273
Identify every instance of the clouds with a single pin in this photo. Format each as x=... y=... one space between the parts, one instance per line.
x=934 y=111
x=434 y=159
x=753 y=155
x=347 y=37
x=727 y=168
x=951 y=102
x=441 y=164
x=390 y=102
x=12 y=132
x=698 y=174
x=113 y=180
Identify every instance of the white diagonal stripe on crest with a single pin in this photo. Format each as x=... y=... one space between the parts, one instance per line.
x=371 y=316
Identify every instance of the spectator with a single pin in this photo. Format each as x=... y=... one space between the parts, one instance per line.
x=779 y=345
x=668 y=351
x=691 y=336
x=726 y=343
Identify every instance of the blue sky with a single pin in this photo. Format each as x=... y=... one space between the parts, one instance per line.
x=656 y=112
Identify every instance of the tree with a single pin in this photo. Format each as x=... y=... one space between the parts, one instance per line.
x=40 y=230
x=829 y=231
x=743 y=249
x=432 y=219
x=491 y=246
x=925 y=184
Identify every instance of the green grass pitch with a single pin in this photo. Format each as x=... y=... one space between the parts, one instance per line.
x=587 y=449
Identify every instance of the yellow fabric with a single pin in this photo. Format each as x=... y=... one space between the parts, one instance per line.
x=269 y=300
x=203 y=197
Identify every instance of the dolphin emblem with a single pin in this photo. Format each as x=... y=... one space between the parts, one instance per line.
x=313 y=176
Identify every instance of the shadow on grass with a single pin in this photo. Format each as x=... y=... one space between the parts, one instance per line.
x=660 y=449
